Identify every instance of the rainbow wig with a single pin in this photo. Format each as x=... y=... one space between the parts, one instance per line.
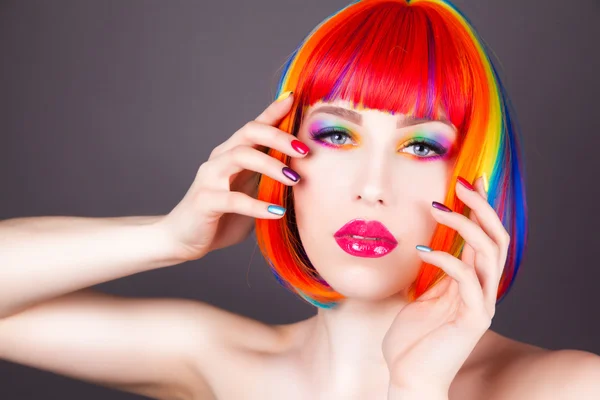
x=413 y=57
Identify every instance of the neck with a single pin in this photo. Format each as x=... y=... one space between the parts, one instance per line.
x=341 y=347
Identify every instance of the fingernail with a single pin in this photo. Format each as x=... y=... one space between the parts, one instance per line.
x=300 y=147
x=486 y=185
x=276 y=210
x=421 y=247
x=290 y=173
x=440 y=206
x=465 y=183
x=284 y=95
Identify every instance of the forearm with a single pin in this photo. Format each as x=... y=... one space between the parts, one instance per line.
x=398 y=393
x=45 y=257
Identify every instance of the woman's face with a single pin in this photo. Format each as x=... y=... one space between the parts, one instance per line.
x=369 y=170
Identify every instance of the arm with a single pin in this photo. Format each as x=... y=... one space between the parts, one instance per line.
x=159 y=347
x=50 y=321
x=155 y=347
x=45 y=257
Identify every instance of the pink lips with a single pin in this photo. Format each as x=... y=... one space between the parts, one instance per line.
x=372 y=248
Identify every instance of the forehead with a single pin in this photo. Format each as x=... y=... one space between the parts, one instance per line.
x=358 y=114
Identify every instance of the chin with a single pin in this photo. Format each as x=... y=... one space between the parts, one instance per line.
x=362 y=282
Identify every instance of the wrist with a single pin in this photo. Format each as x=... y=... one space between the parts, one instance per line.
x=167 y=250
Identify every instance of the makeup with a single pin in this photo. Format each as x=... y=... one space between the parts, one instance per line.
x=433 y=140
x=424 y=144
x=333 y=135
x=370 y=239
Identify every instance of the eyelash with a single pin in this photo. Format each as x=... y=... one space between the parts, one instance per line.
x=328 y=132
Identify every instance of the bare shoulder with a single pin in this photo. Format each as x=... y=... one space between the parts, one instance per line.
x=232 y=345
x=519 y=370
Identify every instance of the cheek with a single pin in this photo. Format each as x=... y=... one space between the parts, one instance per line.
x=320 y=204
x=324 y=193
x=316 y=196
x=418 y=194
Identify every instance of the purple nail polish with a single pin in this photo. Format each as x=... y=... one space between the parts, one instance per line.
x=290 y=173
x=440 y=206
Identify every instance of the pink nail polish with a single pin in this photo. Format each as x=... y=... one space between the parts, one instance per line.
x=300 y=147
x=466 y=184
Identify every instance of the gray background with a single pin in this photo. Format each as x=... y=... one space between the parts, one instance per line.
x=107 y=108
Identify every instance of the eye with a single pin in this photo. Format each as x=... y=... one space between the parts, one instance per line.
x=337 y=137
x=424 y=146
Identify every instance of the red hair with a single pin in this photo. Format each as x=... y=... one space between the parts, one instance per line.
x=413 y=58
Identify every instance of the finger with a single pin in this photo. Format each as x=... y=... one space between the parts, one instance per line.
x=260 y=137
x=485 y=252
x=468 y=285
x=470 y=231
x=489 y=281
x=479 y=189
x=480 y=186
x=220 y=202
x=271 y=116
x=276 y=110
x=486 y=215
x=216 y=172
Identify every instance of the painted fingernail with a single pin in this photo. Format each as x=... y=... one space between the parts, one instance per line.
x=300 y=147
x=486 y=184
x=276 y=210
x=290 y=173
x=284 y=95
x=440 y=206
x=420 y=247
x=465 y=183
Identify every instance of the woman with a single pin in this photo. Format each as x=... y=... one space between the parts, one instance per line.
x=396 y=109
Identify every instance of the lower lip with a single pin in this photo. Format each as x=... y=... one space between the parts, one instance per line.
x=365 y=248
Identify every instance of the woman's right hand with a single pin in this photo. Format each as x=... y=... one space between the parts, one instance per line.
x=219 y=208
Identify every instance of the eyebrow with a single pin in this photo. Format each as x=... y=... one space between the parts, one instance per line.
x=356 y=117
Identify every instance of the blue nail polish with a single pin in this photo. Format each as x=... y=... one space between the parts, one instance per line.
x=276 y=210
x=420 y=247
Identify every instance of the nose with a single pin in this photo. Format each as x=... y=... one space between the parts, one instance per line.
x=373 y=185
x=371 y=196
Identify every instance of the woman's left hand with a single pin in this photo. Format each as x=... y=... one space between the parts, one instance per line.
x=430 y=338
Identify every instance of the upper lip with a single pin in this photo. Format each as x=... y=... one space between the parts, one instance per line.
x=361 y=227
